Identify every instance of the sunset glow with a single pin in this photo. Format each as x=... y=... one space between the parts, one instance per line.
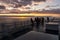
x=26 y=15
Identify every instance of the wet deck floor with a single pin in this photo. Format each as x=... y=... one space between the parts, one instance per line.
x=33 y=35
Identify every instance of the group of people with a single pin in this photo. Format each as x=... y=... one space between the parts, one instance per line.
x=37 y=21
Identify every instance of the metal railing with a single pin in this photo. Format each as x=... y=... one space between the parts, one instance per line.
x=7 y=28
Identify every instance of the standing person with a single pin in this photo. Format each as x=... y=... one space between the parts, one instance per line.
x=32 y=23
x=37 y=20
x=47 y=19
x=42 y=21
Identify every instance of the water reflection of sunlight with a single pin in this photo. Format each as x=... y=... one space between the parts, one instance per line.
x=23 y=18
x=20 y=18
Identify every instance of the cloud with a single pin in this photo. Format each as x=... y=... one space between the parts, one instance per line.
x=20 y=3
x=29 y=2
x=50 y=1
x=25 y=2
x=38 y=0
x=27 y=8
x=52 y=11
x=52 y=6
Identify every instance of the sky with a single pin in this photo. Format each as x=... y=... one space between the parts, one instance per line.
x=53 y=4
x=47 y=4
x=35 y=4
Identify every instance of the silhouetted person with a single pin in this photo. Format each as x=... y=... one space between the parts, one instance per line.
x=32 y=22
x=47 y=19
x=37 y=20
x=42 y=21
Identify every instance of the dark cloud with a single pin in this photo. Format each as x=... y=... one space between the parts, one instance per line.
x=22 y=2
x=52 y=11
x=17 y=5
x=26 y=2
x=55 y=10
x=29 y=2
x=51 y=6
x=36 y=4
x=2 y=7
x=38 y=0
x=27 y=8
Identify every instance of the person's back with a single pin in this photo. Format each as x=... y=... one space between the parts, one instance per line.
x=37 y=20
x=32 y=23
x=47 y=19
x=42 y=21
x=32 y=20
